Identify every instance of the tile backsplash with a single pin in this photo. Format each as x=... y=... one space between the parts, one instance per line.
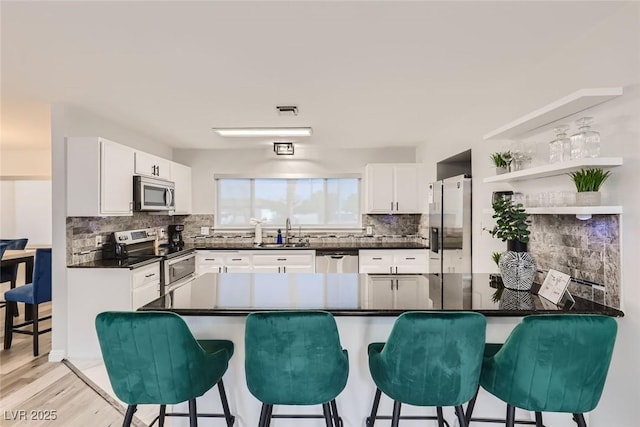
x=82 y=231
x=587 y=250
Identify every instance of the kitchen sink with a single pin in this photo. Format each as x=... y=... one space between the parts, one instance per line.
x=299 y=245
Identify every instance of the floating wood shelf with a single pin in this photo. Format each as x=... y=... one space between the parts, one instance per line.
x=543 y=118
x=553 y=169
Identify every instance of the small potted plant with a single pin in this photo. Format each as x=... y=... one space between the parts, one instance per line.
x=501 y=161
x=588 y=183
x=495 y=280
x=517 y=266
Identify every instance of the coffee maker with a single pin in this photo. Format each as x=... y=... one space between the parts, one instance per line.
x=175 y=236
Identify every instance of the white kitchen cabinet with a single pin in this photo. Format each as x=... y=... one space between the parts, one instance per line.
x=405 y=292
x=213 y=261
x=153 y=166
x=94 y=290
x=286 y=261
x=181 y=176
x=99 y=177
x=393 y=261
x=394 y=188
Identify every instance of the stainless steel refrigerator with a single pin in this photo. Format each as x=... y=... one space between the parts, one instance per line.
x=450 y=226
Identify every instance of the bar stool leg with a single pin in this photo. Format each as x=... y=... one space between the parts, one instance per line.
x=395 y=418
x=326 y=411
x=128 y=416
x=163 y=411
x=336 y=417
x=193 y=413
x=539 y=419
x=511 y=416
x=579 y=419
x=225 y=405
x=374 y=408
x=470 y=406
x=440 y=416
x=461 y=417
x=269 y=413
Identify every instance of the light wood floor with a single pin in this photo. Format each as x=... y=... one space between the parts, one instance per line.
x=46 y=388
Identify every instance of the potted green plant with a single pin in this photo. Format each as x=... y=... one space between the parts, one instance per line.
x=501 y=161
x=517 y=266
x=588 y=183
x=495 y=280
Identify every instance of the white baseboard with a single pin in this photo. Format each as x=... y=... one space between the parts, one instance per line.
x=56 y=355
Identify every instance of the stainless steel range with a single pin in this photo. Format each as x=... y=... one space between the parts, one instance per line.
x=138 y=246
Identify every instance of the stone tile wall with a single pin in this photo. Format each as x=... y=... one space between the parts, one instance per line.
x=81 y=231
x=587 y=250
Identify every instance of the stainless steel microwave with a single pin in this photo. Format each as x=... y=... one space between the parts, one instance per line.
x=150 y=194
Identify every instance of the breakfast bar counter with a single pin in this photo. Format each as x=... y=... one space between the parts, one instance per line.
x=365 y=307
x=352 y=294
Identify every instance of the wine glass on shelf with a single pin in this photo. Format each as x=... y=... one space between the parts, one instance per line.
x=517 y=153
x=530 y=153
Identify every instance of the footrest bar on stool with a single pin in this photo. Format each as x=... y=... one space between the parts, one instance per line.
x=501 y=421
x=186 y=414
x=408 y=417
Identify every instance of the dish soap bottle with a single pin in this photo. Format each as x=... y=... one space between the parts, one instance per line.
x=279 y=237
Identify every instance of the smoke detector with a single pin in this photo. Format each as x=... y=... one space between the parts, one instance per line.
x=287 y=110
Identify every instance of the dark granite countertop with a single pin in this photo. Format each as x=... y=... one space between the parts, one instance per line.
x=351 y=294
x=312 y=246
x=115 y=263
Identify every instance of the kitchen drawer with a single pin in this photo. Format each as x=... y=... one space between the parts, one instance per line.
x=373 y=261
x=410 y=261
x=282 y=258
x=146 y=275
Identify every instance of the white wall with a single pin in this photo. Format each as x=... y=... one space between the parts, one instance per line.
x=68 y=121
x=609 y=55
x=25 y=209
x=262 y=161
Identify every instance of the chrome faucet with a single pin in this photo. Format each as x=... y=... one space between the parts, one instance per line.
x=287 y=227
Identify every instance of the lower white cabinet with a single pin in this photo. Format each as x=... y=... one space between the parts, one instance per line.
x=393 y=261
x=94 y=290
x=291 y=261
x=212 y=261
x=257 y=261
x=398 y=292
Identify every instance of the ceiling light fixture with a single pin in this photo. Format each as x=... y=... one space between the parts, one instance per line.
x=296 y=131
x=283 y=148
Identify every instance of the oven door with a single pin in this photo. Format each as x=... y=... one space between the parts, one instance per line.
x=153 y=194
x=179 y=270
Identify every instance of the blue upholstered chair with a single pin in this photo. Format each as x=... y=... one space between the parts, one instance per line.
x=430 y=359
x=10 y=273
x=152 y=358
x=35 y=293
x=295 y=358
x=550 y=363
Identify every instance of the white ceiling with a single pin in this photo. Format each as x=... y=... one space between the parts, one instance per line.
x=364 y=74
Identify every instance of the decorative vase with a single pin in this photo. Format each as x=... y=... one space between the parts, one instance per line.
x=501 y=170
x=517 y=266
x=588 y=198
x=516 y=300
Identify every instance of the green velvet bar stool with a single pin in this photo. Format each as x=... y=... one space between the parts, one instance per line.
x=551 y=363
x=295 y=358
x=430 y=359
x=152 y=358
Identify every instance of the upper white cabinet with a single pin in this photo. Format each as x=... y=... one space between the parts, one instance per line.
x=153 y=166
x=181 y=176
x=394 y=261
x=99 y=177
x=394 y=188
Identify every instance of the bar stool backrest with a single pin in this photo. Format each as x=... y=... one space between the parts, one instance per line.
x=294 y=357
x=42 y=276
x=553 y=363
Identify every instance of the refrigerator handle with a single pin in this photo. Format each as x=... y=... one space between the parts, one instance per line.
x=434 y=240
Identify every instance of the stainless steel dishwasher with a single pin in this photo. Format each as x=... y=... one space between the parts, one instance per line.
x=336 y=260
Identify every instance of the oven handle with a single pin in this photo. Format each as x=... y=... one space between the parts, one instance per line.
x=180 y=259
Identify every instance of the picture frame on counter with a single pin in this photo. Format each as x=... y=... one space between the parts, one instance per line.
x=555 y=286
